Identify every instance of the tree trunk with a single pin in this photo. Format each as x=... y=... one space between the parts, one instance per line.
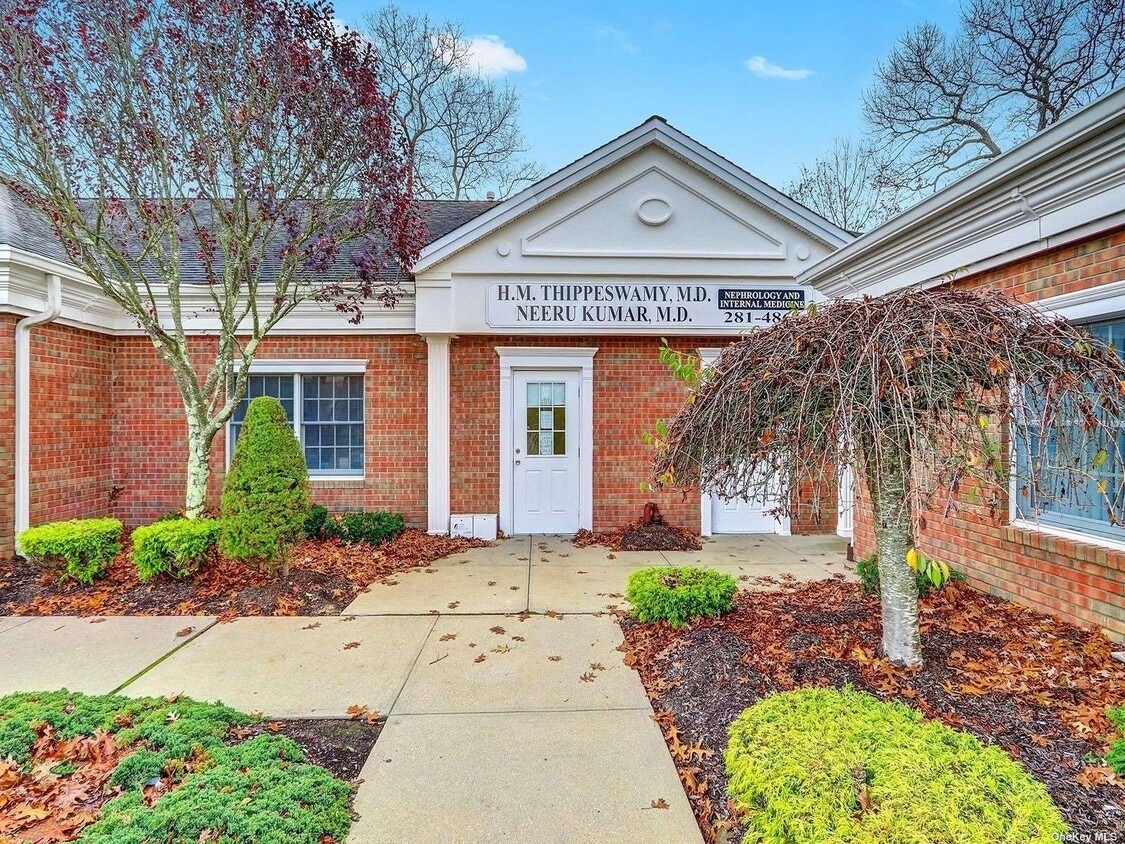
x=898 y=586
x=198 y=469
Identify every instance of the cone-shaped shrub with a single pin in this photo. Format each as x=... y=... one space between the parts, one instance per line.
x=266 y=492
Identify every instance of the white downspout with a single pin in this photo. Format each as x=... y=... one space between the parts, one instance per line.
x=23 y=399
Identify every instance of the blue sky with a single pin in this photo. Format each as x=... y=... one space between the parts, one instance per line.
x=588 y=71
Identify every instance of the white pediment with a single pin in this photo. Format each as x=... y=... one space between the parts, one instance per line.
x=655 y=214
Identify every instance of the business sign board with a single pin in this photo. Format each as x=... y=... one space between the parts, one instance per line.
x=638 y=305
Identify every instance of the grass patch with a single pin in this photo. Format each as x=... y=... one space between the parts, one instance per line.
x=176 y=771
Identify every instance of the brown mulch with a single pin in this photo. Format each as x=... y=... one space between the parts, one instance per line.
x=324 y=576
x=340 y=745
x=1034 y=685
x=641 y=537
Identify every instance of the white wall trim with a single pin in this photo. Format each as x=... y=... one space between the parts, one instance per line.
x=512 y=358
x=1101 y=301
x=302 y=366
x=1076 y=535
x=437 y=433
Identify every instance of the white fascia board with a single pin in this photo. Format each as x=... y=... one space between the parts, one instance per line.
x=86 y=307
x=654 y=130
x=1055 y=152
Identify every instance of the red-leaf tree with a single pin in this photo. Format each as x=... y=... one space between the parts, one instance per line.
x=240 y=147
x=928 y=393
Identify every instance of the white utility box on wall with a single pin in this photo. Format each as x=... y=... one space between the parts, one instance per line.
x=461 y=526
x=484 y=526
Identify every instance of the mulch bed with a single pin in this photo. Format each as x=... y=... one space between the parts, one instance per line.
x=641 y=537
x=324 y=576
x=1034 y=685
x=341 y=746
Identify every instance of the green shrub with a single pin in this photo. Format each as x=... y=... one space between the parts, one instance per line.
x=317 y=521
x=178 y=547
x=827 y=766
x=83 y=548
x=676 y=595
x=867 y=570
x=259 y=791
x=172 y=728
x=372 y=528
x=266 y=492
x=1115 y=758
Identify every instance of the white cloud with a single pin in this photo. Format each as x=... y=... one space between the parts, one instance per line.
x=493 y=57
x=616 y=35
x=764 y=68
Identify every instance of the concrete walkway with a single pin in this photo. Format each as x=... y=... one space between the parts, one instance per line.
x=510 y=714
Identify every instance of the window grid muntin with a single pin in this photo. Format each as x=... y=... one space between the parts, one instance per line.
x=545 y=422
x=1083 y=511
x=346 y=434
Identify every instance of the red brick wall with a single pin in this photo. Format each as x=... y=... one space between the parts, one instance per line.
x=632 y=389
x=70 y=423
x=149 y=429
x=1079 y=581
x=7 y=433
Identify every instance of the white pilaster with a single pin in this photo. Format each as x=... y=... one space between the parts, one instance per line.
x=437 y=431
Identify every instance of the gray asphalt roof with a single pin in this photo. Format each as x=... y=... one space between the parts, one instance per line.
x=22 y=227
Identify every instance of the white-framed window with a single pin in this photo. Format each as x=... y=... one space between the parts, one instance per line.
x=325 y=405
x=1081 y=509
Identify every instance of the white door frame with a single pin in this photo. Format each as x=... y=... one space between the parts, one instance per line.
x=547 y=358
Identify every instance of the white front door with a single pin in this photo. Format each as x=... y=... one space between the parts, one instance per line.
x=545 y=441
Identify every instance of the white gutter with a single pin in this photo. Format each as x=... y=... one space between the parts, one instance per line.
x=23 y=399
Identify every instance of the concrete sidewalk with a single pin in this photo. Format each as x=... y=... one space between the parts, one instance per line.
x=510 y=713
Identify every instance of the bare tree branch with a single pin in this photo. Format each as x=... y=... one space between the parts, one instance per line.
x=849 y=185
x=943 y=105
x=461 y=126
x=251 y=141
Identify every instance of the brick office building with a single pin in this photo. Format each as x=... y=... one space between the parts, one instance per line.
x=517 y=375
x=515 y=378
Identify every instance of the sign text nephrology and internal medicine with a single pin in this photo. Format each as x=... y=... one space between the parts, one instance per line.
x=637 y=305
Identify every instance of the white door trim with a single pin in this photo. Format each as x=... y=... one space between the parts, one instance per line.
x=548 y=357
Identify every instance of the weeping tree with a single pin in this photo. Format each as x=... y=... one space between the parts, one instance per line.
x=939 y=398
x=224 y=160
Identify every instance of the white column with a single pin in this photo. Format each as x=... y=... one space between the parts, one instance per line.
x=437 y=431
x=22 y=414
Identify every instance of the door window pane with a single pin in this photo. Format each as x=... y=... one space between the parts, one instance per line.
x=546 y=419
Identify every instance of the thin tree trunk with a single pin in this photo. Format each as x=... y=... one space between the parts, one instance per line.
x=198 y=469
x=898 y=586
